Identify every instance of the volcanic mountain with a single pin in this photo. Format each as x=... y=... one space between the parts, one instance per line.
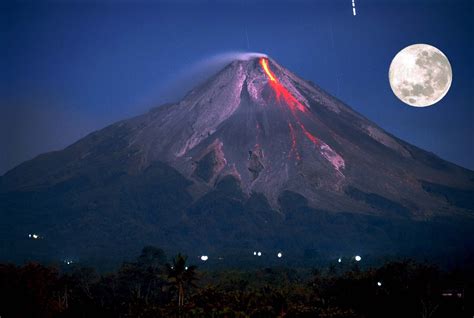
x=254 y=158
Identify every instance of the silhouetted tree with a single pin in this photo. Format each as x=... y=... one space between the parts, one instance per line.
x=140 y=289
x=29 y=291
x=180 y=276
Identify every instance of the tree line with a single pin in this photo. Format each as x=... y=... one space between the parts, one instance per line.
x=154 y=286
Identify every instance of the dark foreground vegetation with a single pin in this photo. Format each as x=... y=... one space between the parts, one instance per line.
x=152 y=286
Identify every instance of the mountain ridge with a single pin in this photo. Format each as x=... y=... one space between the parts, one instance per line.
x=254 y=139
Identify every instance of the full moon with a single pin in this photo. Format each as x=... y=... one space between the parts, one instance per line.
x=420 y=75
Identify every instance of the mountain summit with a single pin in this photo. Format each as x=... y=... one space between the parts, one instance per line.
x=254 y=157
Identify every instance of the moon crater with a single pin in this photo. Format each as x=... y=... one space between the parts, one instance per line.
x=420 y=75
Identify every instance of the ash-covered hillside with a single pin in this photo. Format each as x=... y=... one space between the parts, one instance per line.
x=255 y=157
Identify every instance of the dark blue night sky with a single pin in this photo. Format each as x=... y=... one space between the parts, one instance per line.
x=68 y=68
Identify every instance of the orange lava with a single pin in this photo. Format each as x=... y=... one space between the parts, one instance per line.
x=308 y=135
x=282 y=93
x=264 y=63
x=280 y=90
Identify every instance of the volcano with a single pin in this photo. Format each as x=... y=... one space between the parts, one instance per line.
x=254 y=158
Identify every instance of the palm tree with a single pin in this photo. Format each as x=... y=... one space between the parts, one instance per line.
x=180 y=275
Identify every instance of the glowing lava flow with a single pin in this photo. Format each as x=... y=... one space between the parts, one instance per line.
x=336 y=160
x=290 y=100
x=308 y=135
x=280 y=90
x=269 y=73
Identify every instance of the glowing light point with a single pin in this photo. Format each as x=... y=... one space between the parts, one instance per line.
x=339 y=260
x=259 y=254
x=254 y=253
x=358 y=258
x=279 y=255
x=185 y=268
x=379 y=284
x=204 y=258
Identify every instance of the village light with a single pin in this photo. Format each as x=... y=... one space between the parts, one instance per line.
x=204 y=258
x=279 y=255
x=358 y=258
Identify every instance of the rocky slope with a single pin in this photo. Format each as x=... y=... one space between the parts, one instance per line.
x=255 y=156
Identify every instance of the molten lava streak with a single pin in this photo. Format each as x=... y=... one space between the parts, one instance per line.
x=290 y=100
x=280 y=90
x=264 y=63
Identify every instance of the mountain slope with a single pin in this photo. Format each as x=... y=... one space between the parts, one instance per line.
x=255 y=156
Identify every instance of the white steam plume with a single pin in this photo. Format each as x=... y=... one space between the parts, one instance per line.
x=190 y=76
x=228 y=57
